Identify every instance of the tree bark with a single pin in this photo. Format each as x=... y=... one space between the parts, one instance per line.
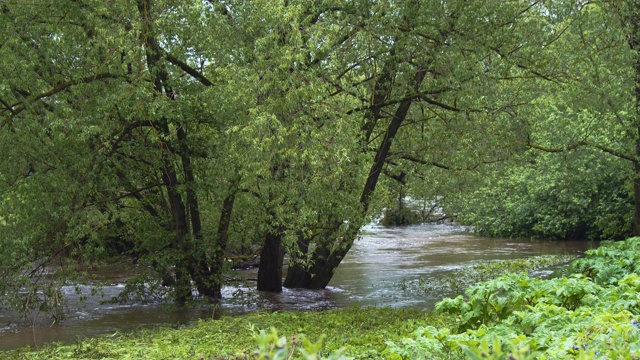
x=183 y=253
x=634 y=44
x=271 y=258
x=197 y=263
x=297 y=275
x=381 y=93
x=179 y=216
x=221 y=243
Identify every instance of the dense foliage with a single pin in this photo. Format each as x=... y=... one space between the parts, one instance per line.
x=582 y=195
x=176 y=134
x=576 y=170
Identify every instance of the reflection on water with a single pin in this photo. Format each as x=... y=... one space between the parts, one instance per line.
x=369 y=275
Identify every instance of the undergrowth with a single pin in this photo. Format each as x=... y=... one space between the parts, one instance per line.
x=360 y=333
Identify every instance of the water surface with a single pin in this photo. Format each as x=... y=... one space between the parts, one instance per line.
x=370 y=275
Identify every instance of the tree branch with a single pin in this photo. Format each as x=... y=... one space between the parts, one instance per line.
x=7 y=105
x=119 y=135
x=420 y=96
x=443 y=166
x=439 y=104
x=399 y=178
x=188 y=69
x=423 y=162
x=577 y=144
x=55 y=90
x=65 y=85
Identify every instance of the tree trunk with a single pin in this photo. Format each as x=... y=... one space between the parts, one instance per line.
x=271 y=257
x=297 y=275
x=184 y=255
x=179 y=215
x=197 y=263
x=636 y=196
x=634 y=43
x=325 y=260
x=222 y=238
x=381 y=93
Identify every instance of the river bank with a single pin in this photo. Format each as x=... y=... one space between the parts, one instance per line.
x=590 y=310
x=362 y=330
x=387 y=267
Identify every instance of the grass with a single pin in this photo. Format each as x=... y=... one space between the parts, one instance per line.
x=361 y=332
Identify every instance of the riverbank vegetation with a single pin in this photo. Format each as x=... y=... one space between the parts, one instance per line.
x=180 y=134
x=458 y=280
x=355 y=330
x=591 y=309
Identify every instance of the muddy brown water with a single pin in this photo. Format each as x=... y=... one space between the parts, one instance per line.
x=370 y=275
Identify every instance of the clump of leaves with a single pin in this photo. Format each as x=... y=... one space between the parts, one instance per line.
x=274 y=347
x=610 y=261
x=400 y=217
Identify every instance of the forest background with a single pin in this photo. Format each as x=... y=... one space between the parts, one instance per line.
x=179 y=134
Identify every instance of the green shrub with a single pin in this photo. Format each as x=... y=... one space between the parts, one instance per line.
x=587 y=196
x=400 y=217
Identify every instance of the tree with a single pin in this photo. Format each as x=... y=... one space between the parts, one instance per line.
x=452 y=72
x=113 y=110
x=595 y=107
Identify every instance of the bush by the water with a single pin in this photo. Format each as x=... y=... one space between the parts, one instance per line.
x=400 y=217
x=588 y=196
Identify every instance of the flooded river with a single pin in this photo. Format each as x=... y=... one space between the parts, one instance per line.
x=370 y=275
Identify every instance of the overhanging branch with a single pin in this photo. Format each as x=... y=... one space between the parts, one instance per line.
x=188 y=69
x=55 y=90
x=446 y=167
x=577 y=144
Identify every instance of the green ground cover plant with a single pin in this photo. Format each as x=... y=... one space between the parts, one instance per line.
x=360 y=333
